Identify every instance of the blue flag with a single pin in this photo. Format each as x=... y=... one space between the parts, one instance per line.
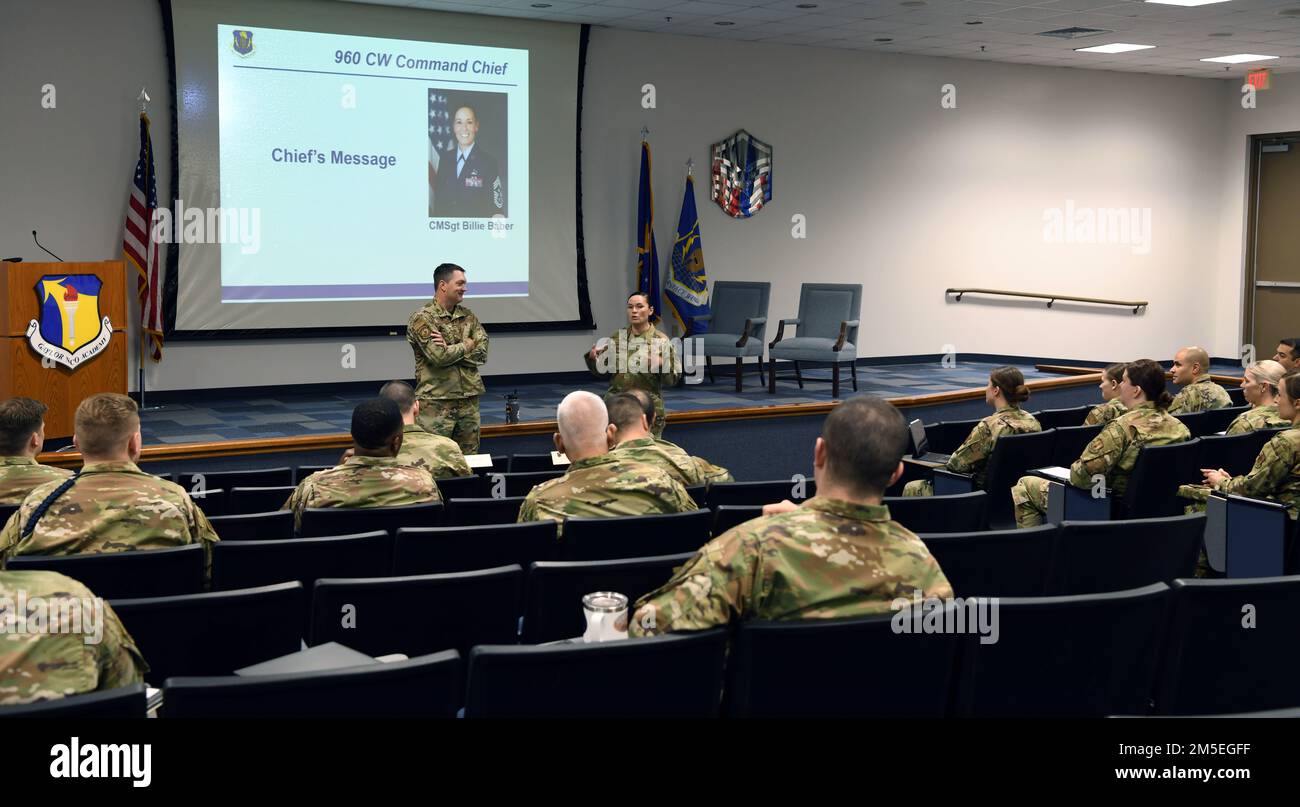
x=687 y=287
x=647 y=256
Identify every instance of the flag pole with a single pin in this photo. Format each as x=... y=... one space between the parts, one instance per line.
x=143 y=98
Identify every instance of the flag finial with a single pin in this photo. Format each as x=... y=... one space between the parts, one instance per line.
x=690 y=167
x=645 y=132
x=143 y=98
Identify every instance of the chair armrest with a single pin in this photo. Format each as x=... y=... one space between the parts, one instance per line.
x=780 y=329
x=844 y=335
x=948 y=482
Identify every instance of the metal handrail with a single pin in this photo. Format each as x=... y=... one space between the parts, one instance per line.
x=1136 y=305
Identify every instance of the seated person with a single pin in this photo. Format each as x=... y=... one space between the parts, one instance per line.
x=1112 y=453
x=440 y=456
x=22 y=436
x=1111 y=406
x=1259 y=383
x=1191 y=369
x=1276 y=473
x=599 y=483
x=373 y=476
x=632 y=412
x=1288 y=354
x=110 y=505
x=57 y=662
x=836 y=555
x=1005 y=392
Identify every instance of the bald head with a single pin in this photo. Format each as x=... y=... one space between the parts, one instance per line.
x=583 y=425
x=1189 y=363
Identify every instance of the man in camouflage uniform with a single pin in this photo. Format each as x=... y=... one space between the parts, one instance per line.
x=1112 y=453
x=1112 y=407
x=638 y=357
x=22 y=436
x=631 y=413
x=598 y=483
x=1191 y=368
x=55 y=662
x=836 y=555
x=1288 y=354
x=450 y=345
x=972 y=456
x=438 y=455
x=373 y=476
x=110 y=505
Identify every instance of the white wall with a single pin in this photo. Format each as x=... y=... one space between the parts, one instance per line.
x=899 y=194
x=1277 y=110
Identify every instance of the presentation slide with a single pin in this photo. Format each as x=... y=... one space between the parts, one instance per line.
x=416 y=146
x=332 y=155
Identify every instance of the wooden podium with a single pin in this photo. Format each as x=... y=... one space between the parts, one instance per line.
x=58 y=387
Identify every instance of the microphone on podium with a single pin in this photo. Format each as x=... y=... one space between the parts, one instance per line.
x=13 y=260
x=38 y=243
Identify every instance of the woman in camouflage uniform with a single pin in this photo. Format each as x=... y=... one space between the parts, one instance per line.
x=638 y=357
x=1260 y=385
x=1005 y=392
x=1112 y=407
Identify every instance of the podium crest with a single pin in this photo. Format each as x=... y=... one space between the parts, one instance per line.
x=742 y=174
x=70 y=330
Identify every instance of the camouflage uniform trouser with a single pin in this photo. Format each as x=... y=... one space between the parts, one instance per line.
x=1030 y=498
x=919 y=487
x=455 y=418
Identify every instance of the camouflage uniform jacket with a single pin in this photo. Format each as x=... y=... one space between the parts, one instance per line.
x=1275 y=475
x=1256 y=419
x=973 y=454
x=18 y=475
x=363 y=482
x=1114 y=451
x=603 y=487
x=56 y=662
x=827 y=559
x=438 y=455
x=662 y=454
x=1200 y=395
x=626 y=362
x=1106 y=412
x=446 y=372
x=711 y=473
x=111 y=507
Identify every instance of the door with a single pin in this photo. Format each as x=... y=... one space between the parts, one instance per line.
x=1273 y=309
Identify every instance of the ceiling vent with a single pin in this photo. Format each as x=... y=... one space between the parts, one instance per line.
x=1075 y=33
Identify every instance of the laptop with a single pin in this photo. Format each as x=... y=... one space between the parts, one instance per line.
x=921 y=452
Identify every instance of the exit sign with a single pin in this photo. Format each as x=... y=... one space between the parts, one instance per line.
x=1258 y=79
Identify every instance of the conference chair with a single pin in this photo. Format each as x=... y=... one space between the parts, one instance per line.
x=245 y=564
x=520 y=484
x=730 y=515
x=274 y=526
x=996 y=563
x=528 y=463
x=1237 y=395
x=1218 y=420
x=419 y=614
x=260 y=477
x=322 y=521
x=424 y=687
x=826 y=331
x=471 y=512
x=635 y=536
x=500 y=464
x=735 y=326
x=1235 y=454
x=460 y=487
x=832 y=668
x=1089 y=655
x=759 y=493
x=7 y=510
x=259 y=499
x=215 y=633
x=1198 y=423
x=126 y=701
x=699 y=494
x=212 y=501
x=1099 y=556
x=1231 y=646
x=554 y=591
x=133 y=573
x=672 y=676
x=1152 y=490
x=960 y=513
x=1055 y=418
x=1070 y=443
x=304 y=471
x=1013 y=456
x=442 y=550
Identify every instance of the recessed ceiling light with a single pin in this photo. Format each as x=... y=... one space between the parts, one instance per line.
x=541 y=5
x=912 y=3
x=724 y=22
x=1114 y=47
x=1186 y=2
x=1238 y=58
x=805 y=5
x=1221 y=33
x=974 y=22
x=883 y=39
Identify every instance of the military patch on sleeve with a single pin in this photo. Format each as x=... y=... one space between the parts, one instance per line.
x=423 y=332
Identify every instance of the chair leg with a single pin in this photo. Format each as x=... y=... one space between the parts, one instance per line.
x=708 y=365
x=835 y=380
x=771 y=376
x=740 y=368
x=798 y=376
x=761 y=379
x=854 y=368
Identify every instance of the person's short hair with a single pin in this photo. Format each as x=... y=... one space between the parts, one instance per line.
x=105 y=422
x=1290 y=385
x=642 y=295
x=581 y=419
x=1115 y=372
x=1293 y=343
x=1012 y=383
x=1150 y=378
x=374 y=423
x=1197 y=355
x=470 y=107
x=647 y=404
x=1267 y=372
x=20 y=418
x=625 y=410
x=400 y=393
x=865 y=437
x=444 y=272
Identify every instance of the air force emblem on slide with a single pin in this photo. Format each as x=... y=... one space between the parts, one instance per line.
x=70 y=329
x=243 y=43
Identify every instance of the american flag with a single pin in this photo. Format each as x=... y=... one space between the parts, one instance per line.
x=440 y=138
x=139 y=247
